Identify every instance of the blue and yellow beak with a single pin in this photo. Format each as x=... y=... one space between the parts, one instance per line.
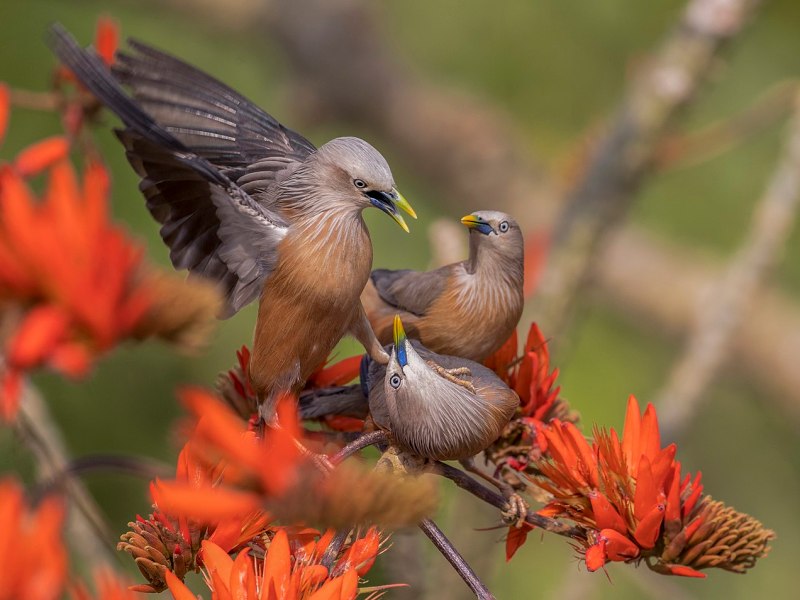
x=475 y=222
x=400 y=341
x=389 y=202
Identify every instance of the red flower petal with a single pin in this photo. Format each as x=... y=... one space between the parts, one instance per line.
x=339 y=373
x=5 y=104
x=649 y=527
x=646 y=495
x=516 y=538
x=209 y=505
x=684 y=571
x=618 y=546
x=278 y=564
x=630 y=436
x=214 y=558
x=106 y=39
x=605 y=515
x=177 y=588
x=9 y=393
x=596 y=556
x=39 y=156
x=37 y=336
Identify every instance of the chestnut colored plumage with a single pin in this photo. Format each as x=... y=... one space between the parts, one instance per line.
x=482 y=295
x=434 y=406
x=250 y=204
x=439 y=407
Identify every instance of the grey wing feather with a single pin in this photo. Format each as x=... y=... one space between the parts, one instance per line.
x=411 y=291
x=212 y=226
x=210 y=118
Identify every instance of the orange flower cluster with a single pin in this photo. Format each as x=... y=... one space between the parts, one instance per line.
x=32 y=553
x=33 y=559
x=234 y=386
x=630 y=497
x=289 y=570
x=72 y=284
x=274 y=471
x=530 y=376
x=164 y=543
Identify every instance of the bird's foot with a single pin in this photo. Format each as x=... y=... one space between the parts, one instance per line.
x=515 y=511
x=380 y=356
x=452 y=375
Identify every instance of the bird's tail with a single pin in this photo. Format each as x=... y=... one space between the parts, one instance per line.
x=92 y=72
x=348 y=401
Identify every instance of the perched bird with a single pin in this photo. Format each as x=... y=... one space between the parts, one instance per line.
x=483 y=293
x=250 y=204
x=435 y=406
x=432 y=406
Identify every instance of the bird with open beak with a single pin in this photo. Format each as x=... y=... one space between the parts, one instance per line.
x=249 y=204
x=482 y=293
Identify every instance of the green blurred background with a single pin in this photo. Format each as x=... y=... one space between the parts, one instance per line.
x=557 y=67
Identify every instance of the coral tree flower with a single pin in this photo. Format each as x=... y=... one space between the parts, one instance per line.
x=235 y=387
x=631 y=498
x=290 y=570
x=72 y=284
x=531 y=377
x=164 y=543
x=33 y=558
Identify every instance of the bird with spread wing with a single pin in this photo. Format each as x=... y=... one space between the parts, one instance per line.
x=250 y=204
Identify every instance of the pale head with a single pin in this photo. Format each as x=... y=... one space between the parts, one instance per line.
x=496 y=233
x=356 y=173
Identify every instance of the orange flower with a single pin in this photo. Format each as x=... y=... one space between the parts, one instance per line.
x=77 y=272
x=258 y=467
x=630 y=497
x=107 y=587
x=5 y=103
x=288 y=571
x=33 y=558
x=106 y=41
x=163 y=543
x=73 y=284
x=531 y=377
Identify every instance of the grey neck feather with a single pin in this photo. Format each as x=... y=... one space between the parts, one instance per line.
x=496 y=260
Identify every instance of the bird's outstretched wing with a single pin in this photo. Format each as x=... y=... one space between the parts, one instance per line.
x=210 y=118
x=411 y=291
x=212 y=226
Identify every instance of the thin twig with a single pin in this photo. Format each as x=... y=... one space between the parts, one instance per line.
x=333 y=549
x=133 y=465
x=479 y=490
x=455 y=559
x=90 y=535
x=721 y=315
x=368 y=439
x=624 y=156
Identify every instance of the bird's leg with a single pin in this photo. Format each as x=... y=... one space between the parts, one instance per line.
x=452 y=375
x=516 y=508
x=362 y=331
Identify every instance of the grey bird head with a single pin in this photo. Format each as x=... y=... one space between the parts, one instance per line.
x=494 y=232
x=434 y=416
x=356 y=173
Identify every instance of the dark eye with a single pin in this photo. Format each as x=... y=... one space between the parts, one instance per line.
x=359 y=183
x=394 y=381
x=503 y=226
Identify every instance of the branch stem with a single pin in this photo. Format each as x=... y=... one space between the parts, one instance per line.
x=452 y=555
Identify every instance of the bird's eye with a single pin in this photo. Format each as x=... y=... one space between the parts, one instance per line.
x=503 y=226
x=359 y=183
x=394 y=381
